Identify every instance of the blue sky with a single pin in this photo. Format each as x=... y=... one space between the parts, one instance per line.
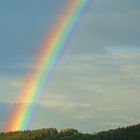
x=96 y=85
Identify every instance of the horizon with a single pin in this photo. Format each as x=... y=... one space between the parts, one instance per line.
x=95 y=86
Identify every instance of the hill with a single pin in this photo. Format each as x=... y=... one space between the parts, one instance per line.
x=128 y=133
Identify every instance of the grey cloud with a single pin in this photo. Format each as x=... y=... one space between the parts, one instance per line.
x=109 y=28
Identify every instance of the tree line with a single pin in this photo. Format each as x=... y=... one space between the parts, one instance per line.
x=128 y=133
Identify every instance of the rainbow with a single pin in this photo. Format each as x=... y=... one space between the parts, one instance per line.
x=46 y=59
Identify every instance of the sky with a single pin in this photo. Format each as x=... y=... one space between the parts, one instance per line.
x=96 y=85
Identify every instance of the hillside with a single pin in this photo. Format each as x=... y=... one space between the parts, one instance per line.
x=128 y=133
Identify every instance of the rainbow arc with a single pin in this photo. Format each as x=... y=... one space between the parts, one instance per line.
x=48 y=55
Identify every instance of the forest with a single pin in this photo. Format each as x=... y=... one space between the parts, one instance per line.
x=126 y=133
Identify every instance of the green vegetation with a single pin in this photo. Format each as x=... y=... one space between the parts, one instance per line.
x=128 y=133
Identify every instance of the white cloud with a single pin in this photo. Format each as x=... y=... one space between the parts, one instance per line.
x=131 y=70
x=64 y=105
x=83 y=115
x=106 y=109
x=10 y=84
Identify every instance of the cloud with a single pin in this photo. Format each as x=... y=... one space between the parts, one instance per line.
x=109 y=25
x=83 y=115
x=131 y=70
x=64 y=104
x=10 y=84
